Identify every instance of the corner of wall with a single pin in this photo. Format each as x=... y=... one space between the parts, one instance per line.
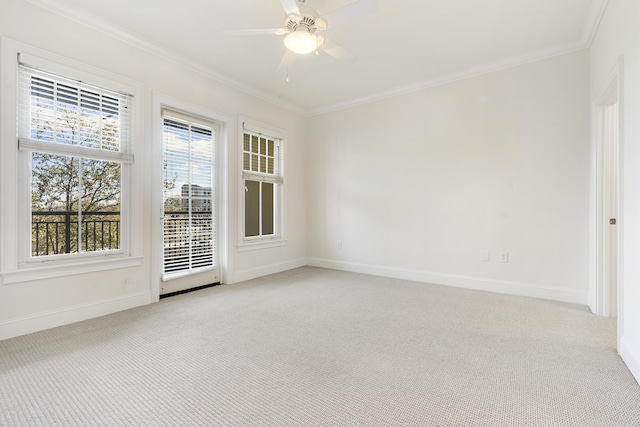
x=254 y=273
x=630 y=357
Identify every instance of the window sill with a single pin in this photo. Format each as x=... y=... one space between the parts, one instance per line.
x=28 y=273
x=252 y=245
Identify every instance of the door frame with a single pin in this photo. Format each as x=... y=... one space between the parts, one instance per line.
x=604 y=298
x=159 y=102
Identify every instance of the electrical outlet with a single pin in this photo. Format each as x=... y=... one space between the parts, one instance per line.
x=504 y=257
x=339 y=244
x=485 y=256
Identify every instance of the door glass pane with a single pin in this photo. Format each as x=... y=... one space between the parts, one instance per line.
x=188 y=196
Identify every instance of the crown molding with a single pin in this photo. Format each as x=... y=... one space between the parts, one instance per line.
x=487 y=68
x=592 y=20
x=156 y=49
x=589 y=29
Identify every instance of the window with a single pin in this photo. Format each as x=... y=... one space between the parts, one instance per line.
x=188 y=194
x=263 y=179
x=77 y=140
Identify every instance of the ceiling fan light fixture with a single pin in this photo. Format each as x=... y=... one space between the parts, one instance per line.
x=302 y=42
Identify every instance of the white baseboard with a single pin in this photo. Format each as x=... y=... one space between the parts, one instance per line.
x=631 y=358
x=51 y=319
x=46 y=320
x=491 y=285
x=241 y=276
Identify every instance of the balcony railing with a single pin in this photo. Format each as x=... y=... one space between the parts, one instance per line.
x=188 y=244
x=56 y=232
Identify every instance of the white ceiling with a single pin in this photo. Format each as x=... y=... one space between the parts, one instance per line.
x=404 y=46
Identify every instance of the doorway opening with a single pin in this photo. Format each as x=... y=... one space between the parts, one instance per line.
x=608 y=224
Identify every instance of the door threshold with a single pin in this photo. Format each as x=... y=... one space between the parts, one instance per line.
x=184 y=291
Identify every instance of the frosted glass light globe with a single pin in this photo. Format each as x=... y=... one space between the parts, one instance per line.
x=301 y=42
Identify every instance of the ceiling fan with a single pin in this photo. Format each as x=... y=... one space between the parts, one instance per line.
x=302 y=25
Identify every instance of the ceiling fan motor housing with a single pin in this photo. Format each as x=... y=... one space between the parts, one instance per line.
x=306 y=21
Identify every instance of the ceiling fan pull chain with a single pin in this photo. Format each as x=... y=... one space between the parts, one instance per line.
x=287 y=61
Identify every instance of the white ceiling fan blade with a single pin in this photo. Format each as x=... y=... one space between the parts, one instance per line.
x=336 y=51
x=353 y=11
x=255 y=31
x=290 y=7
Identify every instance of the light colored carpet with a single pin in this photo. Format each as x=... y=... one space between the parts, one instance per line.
x=318 y=347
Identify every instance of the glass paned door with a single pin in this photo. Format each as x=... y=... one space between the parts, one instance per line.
x=188 y=202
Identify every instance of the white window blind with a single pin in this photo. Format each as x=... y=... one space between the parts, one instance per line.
x=189 y=208
x=63 y=116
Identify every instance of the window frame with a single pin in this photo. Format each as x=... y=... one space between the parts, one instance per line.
x=75 y=153
x=279 y=237
x=17 y=264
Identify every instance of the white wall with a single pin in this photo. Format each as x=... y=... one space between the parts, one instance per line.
x=29 y=306
x=417 y=186
x=618 y=37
